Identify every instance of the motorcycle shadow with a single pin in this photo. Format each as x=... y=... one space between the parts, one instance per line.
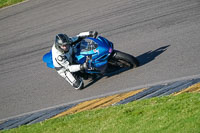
x=143 y=59
x=151 y=55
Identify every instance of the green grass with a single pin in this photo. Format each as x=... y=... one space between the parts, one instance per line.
x=4 y=3
x=170 y=114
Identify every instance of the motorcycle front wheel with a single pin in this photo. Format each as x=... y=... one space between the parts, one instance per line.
x=123 y=60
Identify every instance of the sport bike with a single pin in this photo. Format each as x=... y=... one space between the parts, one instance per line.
x=100 y=55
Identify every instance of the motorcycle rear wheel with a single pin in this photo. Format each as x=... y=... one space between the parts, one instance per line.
x=123 y=60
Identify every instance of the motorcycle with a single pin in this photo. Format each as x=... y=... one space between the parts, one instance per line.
x=100 y=55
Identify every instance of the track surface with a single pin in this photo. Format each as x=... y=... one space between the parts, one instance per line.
x=163 y=35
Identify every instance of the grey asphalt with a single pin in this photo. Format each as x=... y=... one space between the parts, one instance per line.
x=163 y=35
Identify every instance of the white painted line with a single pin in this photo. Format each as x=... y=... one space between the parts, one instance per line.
x=108 y=94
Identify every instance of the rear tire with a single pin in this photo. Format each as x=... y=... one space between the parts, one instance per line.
x=123 y=60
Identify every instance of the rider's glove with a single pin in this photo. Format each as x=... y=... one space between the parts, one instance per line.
x=88 y=34
x=93 y=34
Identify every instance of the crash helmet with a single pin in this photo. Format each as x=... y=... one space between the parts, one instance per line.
x=62 y=42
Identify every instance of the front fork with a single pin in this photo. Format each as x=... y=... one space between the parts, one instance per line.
x=89 y=62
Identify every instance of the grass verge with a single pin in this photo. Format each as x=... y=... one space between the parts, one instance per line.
x=4 y=3
x=170 y=114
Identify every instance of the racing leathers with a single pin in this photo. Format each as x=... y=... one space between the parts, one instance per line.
x=65 y=64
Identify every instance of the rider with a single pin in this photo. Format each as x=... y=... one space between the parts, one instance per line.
x=63 y=57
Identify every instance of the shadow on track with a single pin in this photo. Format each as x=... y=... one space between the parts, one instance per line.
x=151 y=55
x=143 y=59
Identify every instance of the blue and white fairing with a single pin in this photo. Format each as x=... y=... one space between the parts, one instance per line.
x=97 y=50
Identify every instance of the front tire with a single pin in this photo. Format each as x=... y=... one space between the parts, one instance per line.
x=122 y=59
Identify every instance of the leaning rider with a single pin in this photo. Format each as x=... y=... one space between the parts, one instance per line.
x=63 y=57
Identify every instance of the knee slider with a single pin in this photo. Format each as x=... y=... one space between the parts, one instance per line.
x=78 y=84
